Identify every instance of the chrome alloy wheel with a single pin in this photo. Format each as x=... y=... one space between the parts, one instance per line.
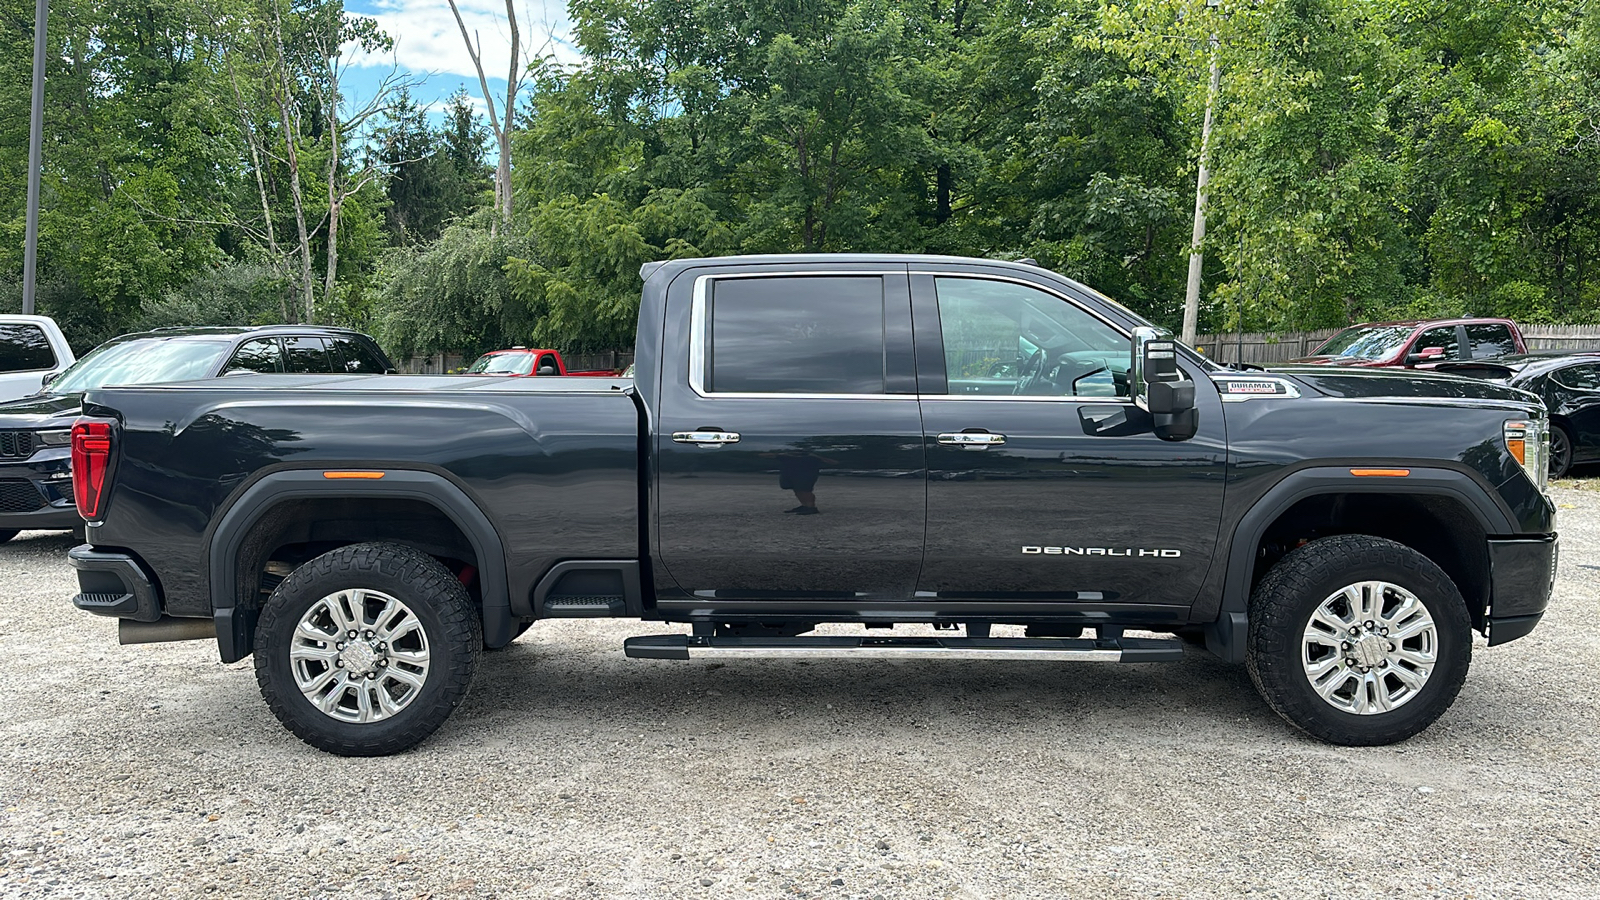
x=359 y=655
x=1369 y=648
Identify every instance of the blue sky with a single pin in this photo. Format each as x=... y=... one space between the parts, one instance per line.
x=428 y=45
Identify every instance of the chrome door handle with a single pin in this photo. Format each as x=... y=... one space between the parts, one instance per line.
x=706 y=438
x=977 y=439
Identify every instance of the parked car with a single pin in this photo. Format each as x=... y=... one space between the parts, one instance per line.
x=1342 y=531
x=1568 y=381
x=527 y=361
x=1419 y=344
x=35 y=476
x=31 y=351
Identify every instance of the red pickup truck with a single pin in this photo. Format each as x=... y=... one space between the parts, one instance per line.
x=1418 y=343
x=527 y=361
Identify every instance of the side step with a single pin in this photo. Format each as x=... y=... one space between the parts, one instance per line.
x=681 y=646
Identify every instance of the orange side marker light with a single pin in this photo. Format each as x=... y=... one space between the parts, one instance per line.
x=352 y=474
x=1382 y=473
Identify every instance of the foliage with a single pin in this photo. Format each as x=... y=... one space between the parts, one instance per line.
x=1369 y=159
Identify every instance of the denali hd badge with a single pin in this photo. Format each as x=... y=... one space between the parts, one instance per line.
x=1102 y=551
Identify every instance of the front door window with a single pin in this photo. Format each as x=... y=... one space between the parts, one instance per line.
x=1006 y=339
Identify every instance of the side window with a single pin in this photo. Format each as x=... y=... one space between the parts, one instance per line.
x=548 y=360
x=1490 y=340
x=1005 y=339
x=307 y=354
x=358 y=359
x=1439 y=337
x=261 y=355
x=795 y=335
x=25 y=348
x=1584 y=378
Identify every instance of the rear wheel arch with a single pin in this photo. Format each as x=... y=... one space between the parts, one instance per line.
x=265 y=511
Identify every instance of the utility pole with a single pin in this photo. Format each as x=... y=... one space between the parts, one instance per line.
x=1191 y=298
x=30 y=246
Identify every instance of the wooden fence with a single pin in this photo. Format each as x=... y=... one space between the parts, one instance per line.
x=442 y=363
x=1265 y=348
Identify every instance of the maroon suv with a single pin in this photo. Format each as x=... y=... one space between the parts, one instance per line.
x=1420 y=344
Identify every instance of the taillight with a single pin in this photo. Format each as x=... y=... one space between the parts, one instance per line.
x=91 y=460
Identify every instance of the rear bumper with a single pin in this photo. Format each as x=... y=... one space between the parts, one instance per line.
x=1522 y=574
x=113 y=584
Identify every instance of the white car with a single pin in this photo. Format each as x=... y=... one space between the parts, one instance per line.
x=31 y=351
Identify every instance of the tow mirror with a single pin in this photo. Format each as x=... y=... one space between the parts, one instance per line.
x=1159 y=386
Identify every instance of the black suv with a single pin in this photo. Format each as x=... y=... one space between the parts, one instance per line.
x=35 y=476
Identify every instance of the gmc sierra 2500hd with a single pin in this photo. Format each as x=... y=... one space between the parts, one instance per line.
x=843 y=439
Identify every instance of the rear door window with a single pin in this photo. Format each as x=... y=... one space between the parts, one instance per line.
x=261 y=355
x=795 y=335
x=1444 y=336
x=357 y=358
x=1490 y=339
x=25 y=348
x=307 y=354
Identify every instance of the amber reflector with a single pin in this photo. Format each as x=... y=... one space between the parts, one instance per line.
x=1386 y=473
x=352 y=474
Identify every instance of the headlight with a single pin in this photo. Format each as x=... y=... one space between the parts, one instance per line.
x=62 y=438
x=1529 y=441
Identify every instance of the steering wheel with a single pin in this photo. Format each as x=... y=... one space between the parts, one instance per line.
x=1030 y=373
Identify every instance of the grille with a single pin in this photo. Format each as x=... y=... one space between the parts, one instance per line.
x=19 y=495
x=16 y=444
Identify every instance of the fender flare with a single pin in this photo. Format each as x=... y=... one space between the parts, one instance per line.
x=236 y=627
x=1226 y=635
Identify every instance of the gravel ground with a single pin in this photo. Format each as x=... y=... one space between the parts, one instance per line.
x=574 y=772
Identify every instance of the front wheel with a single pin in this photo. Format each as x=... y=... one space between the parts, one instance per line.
x=7 y=534
x=366 y=650
x=1358 y=640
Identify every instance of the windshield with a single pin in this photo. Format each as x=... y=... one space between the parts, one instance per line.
x=503 y=364
x=1366 y=341
x=143 y=361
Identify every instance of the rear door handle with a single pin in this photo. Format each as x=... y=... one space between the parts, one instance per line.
x=972 y=439
x=706 y=438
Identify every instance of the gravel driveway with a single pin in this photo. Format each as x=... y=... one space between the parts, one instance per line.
x=574 y=772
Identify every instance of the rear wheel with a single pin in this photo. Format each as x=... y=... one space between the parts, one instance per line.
x=367 y=649
x=7 y=534
x=1560 y=451
x=1358 y=640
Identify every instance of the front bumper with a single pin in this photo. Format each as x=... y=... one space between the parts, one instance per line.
x=113 y=584
x=37 y=493
x=1522 y=574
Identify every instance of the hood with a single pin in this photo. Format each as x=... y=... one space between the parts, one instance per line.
x=1365 y=383
x=41 y=411
x=1351 y=361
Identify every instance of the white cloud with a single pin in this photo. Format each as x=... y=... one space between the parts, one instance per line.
x=428 y=41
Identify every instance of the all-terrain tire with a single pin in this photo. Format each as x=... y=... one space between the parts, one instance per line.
x=448 y=619
x=1281 y=611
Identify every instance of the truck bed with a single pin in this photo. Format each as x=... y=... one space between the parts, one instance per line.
x=554 y=462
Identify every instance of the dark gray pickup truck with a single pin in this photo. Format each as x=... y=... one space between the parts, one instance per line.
x=881 y=440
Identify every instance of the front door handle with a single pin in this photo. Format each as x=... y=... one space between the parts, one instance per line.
x=706 y=438
x=976 y=439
